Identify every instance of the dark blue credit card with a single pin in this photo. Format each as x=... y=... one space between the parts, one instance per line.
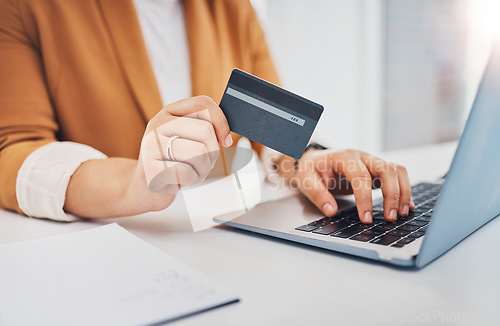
x=268 y=114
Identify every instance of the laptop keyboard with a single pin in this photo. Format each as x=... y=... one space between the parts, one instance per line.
x=405 y=230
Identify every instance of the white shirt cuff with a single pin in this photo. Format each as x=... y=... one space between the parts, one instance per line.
x=44 y=176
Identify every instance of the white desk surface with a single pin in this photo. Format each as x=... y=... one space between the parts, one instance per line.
x=282 y=283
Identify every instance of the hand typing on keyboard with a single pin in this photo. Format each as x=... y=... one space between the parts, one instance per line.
x=320 y=174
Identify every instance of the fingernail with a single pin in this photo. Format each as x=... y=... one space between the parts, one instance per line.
x=328 y=209
x=229 y=141
x=393 y=214
x=406 y=209
x=367 y=218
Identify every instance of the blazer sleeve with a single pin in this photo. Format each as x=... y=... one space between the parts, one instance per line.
x=262 y=63
x=27 y=119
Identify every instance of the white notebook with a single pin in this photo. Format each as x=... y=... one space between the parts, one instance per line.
x=102 y=276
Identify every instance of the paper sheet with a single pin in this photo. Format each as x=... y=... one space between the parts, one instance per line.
x=102 y=276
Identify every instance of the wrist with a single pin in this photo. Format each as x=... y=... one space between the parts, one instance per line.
x=144 y=199
x=284 y=163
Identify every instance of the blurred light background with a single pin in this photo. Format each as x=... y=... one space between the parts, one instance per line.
x=390 y=73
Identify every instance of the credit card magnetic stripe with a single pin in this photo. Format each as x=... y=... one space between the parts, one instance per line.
x=264 y=106
x=275 y=94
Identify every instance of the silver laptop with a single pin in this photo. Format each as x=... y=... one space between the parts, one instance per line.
x=446 y=211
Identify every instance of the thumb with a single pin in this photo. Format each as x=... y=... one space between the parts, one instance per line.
x=313 y=187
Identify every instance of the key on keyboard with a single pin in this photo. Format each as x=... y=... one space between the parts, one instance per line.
x=405 y=230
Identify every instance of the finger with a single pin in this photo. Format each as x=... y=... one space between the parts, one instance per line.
x=390 y=191
x=204 y=116
x=316 y=191
x=163 y=174
x=325 y=171
x=327 y=178
x=405 y=202
x=195 y=106
x=193 y=153
x=361 y=182
x=388 y=175
x=192 y=129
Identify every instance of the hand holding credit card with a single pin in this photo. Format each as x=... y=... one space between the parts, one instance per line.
x=283 y=121
x=268 y=114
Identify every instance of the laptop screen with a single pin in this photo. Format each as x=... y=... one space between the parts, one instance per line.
x=470 y=196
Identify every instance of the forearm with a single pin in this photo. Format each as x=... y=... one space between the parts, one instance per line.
x=106 y=188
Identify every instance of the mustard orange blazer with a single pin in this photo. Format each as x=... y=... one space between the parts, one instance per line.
x=78 y=70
